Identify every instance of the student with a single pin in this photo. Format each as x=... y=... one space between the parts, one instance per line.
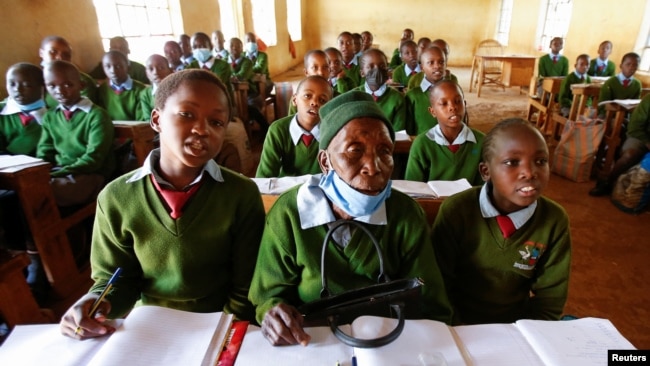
x=219 y=50
x=423 y=44
x=450 y=150
x=241 y=66
x=356 y=42
x=417 y=78
x=120 y=95
x=197 y=256
x=77 y=138
x=339 y=81
x=374 y=69
x=635 y=146
x=203 y=59
x=173 y=53
x=366 y=41
x=259 y=59
x=601 y=65
x=356 y=163
x=157 y=69
x=410 y=65
x=21 y=114
x=291 y=144
x=514 y=263
x=185 y=42
x=578 y=76
x=623 y=85
x=350 y=63
x=135 y=69
x=57 y=48
x=552 y=64
x=316 y=63
x=396 y=60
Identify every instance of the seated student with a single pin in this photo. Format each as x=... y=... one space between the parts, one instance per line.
x=173 y=250
x=450 y=150
x=21 y=114
x=374 y=68
x=120 y=95
x=203 y=59
x=423 y=44
x=366 y=41
x=623 y=85
x=418 y=118
x=514 y=263
x=579 y=76
x=338 y=79
x=601 y=65
x=410 y=65
x=187 y=56
x=417 y=78
x=350 y=63
x=57 y=48
x=157 y=69
x=219 y=50
x=77 y=137
x=260 y=60
x=552 y=64
x=356 y=161
x=635 y=146
x=316 y=63
x=135 y=69
x=242 y=68
x=173 y=54
x=396 y=60
x=356 y=42
x=291 y=144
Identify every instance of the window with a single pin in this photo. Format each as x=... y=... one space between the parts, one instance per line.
x=556 y=15
x=503 y=27
x=146 y=24
x=264 y=21
x=643 y=42
x=228 y=19
x=294 y=19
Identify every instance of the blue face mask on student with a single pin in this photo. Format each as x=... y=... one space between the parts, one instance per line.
x=202 y=54
x=251 y=47
x=353 y=202
x=31 y=106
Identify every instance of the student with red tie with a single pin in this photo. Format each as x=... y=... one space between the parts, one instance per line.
x=410 y=65
x=291 y=144
x=204 y=59
x=578 y=76
x=503 y=249
x=338 y=79
x=552 y=64
x=350 y=62
x=601 y=65
x=120 y=94
x=623 y=85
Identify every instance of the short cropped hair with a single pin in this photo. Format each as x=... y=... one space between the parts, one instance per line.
x=49 y=39
x=489 y=143
x=31 y=70
x=305 y=60
x=630 y=55
x=407 y=43
x=369 y=52
x=583 y=56
x=118 y=54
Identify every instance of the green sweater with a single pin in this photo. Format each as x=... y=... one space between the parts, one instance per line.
x=430 y=161
x=201 y=262
x=549 y=68
x=566 y=96
x=395 y=59
x=613 y=89
x=244 y=71
x=354 y=74
x=83 y=145
x=610 y=70
x=639 y=125
x=489 y=279
x=124 y=106
x=281 y=158
x=89 y=91
x=393 y=105
x=261 y=64
x=288 y=265
x=400 y=77
x=16 y=139
x=418 y=118
x=416 y=79
x=147 y=103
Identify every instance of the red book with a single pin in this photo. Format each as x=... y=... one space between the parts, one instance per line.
x=233 y=343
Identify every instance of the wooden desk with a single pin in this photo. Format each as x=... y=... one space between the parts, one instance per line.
x=140 y=133
x=582 y=93
x=402 y=147
x=614 y=118
x=516 y=71
x=48 y=228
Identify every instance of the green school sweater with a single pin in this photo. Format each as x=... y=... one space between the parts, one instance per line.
x=609 y=70
x=124 y=106
x=137 y=71
x=430 y=161
x=418 y=117
x=639 y=125
x=288 y=264
x=614 y=89
x=548 y=68
x=393 y=105
x=343 y=84
x=281 y=158
x=399 y=75
x=16 y=139
x=244 y=71
x=489 y=278
x=147 y=101
x=354 y=74
x=82 y=145
x=416 y=79
x=201 y=262
x=261 y=65
x=89 y=91
x=395 y=59
x=566 y=96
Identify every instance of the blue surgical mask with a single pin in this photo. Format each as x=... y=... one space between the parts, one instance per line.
x=353 y=202
x=31 y=106
x=251 y=47
x=202 y=54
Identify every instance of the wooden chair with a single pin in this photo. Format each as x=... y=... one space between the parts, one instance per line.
x=241 y=104
x=488 y=72
x=280 y=99
x=545 y=105
x=582 y=93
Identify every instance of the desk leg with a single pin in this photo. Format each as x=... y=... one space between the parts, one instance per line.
x=471 y=77
x=481 y=71
x=611 y=140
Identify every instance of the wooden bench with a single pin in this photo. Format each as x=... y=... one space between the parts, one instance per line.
x=545 y=105
x=582 y=93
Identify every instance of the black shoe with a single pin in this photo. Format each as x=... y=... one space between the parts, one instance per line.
x=601 y=189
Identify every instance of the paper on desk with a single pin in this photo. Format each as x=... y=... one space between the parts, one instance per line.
x=279 y=185
x=446 y=188
x=625 y=103
x=413 y=189
x=9 y=161
x=401 y=135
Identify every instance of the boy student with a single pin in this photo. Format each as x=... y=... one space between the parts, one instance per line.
x=623 y=85
x=579 y=76
x=410 y=65
x=120 y=95
x=187 y=237
x=157 y=69
x=316 y=63
x=366 y=41
x=601 y=65
x=450 y=150
x=291 y=144
x=203 y=59
x=259 y=59
x=219 y=50
x=135 y=69
x=21 y=114
x=350 y=63
x=242 y=71
x=356 y=41
x=339 y=81
x=407 y=35
x=77 y=138
x=173 y=54
x=552 y=64
x=417 y=78
x=374 y=68
x=515 y=262
x=184 y=41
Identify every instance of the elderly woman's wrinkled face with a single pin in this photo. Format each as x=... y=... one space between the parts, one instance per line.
x=361 y=153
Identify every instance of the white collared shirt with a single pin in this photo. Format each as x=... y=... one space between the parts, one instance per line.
x=425 y=84
x=408 y=70
x=83 y=104
x=379 y=92
x=466 y=134
x=622 y=77
x=207 y=64
x=126 y=85
x=296 y=131
x=12 y=107
x=519 y=218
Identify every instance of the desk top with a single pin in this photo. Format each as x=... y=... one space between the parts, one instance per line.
x=507 y=57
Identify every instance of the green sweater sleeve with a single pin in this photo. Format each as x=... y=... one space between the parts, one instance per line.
x=639 y=125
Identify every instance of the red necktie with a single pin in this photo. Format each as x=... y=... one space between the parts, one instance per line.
x=234 y=65
x=205 y=67
x=176 y=199
x=601 y=68
x=506 y=225
x=454 y=148
x=68 y=114
x=117 y=89
x=582 y=78
x=374 y=97
x=25 y=118
x=413 y=73
x=307 y=139
x=554 y=59
x=626 y=82
x=348 y=66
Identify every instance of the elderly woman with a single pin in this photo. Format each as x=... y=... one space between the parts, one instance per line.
x=357 y=162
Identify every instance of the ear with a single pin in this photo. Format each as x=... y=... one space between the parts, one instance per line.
x=154 y=120
x=432 y=111
x=323 y=161
x=293 y=100
x=40 y=53
x=305 y=71
x=484 y=170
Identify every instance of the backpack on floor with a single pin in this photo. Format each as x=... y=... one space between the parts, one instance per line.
x=631 y=193
x=576 y=151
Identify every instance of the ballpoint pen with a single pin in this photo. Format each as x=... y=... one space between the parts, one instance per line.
x=109 y=285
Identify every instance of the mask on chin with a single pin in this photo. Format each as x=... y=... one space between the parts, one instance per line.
x=353 y=202
x=202 y=54
x=251 y=47
x=376 y=77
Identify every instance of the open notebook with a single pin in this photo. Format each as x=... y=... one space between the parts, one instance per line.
x=150 y=335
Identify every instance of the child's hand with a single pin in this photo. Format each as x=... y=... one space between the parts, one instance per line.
x=76 y=323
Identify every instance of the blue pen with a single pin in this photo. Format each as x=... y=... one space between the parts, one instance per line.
x=110 y=283
x=354 y=360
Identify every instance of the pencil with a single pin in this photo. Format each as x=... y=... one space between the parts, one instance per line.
x=109 y=285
